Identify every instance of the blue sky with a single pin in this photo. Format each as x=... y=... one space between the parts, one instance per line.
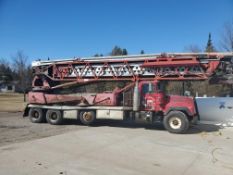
x=68 y=28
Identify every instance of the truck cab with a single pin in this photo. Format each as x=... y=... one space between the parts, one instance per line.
x=176 y=112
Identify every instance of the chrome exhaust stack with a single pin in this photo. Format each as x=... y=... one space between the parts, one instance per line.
x=136 y=98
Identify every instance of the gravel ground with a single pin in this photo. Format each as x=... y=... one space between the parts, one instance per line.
x=15 y=128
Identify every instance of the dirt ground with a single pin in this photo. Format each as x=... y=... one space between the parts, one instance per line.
x=15 y=128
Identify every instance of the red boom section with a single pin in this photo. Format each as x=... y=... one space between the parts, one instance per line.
x=107 y=99
x=161 y=67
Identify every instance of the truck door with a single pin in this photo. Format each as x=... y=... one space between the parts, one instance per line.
x=147 y=88
x=152 y=97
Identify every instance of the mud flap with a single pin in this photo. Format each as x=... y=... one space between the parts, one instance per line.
x=26 y=111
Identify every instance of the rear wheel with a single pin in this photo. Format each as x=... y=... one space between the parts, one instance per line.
x=87 y=117
x=54 y=117
x=36 y=115
x=176 y=122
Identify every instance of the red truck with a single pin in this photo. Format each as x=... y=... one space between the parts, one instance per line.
x=56 y=91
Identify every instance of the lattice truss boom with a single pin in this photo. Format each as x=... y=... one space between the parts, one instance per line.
x=162 y=67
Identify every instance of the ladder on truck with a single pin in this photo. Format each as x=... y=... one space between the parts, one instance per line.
x=167 y=66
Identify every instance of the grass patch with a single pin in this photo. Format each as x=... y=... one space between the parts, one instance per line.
x=11 y=102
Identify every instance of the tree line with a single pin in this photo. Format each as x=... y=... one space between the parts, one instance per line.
x=225 y=43
x=17 y=71
x=117 y=51
x=201 y=88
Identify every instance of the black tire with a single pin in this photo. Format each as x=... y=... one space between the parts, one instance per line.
x=54 y=117
x=176 y=122
x=87 y=117
x=36 y=115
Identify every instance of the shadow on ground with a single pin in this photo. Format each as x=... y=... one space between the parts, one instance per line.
x=203 y=128
x=194 y=129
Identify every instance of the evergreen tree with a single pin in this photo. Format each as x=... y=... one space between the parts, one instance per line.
x=98 y=55
x=209 y=46
x=116 y=51
x=124 y=52
x=6 y=74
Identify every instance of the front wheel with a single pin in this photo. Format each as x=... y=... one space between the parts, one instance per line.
x=176 y=122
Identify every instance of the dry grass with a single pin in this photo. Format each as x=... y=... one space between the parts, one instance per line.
x=11 y=102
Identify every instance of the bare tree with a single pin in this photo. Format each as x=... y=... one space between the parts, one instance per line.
x=193 y=48
x=188 y=85
x=4 y=62
x=227 y=37
x=21 y=67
